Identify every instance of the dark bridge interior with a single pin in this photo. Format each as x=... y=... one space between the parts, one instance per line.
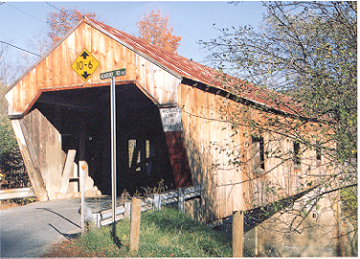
x=142 y=154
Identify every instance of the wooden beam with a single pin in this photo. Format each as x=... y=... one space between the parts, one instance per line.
x=27 y=152
x=68 y=168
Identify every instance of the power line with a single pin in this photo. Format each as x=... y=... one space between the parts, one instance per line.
x=20 y=48
x=53 y=6
x=24 y=12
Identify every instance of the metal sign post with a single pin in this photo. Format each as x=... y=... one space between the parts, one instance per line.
x=113 y=152
x=112 y=75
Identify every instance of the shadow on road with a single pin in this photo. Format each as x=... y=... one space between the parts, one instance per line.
x=67 y=236
x=61 y=216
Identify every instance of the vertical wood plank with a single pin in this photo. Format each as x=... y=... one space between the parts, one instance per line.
x=30 y=164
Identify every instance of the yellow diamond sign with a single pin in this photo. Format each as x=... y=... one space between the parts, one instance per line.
x=85 y=65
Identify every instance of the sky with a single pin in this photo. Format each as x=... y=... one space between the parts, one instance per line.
x=23 y=22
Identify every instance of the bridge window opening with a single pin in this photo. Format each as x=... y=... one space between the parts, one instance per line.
x=318 y=154
x=296 y=154
x=138 y=155
x=258 y=159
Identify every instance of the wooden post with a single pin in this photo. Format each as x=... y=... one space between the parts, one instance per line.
x=238 y=233
x=135 y=224
x=256 y=241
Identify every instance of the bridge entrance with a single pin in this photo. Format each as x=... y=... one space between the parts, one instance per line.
x=83 y=116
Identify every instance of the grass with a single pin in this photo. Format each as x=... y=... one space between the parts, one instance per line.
x=165 y=233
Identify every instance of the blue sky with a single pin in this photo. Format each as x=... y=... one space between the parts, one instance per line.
x=22 y=22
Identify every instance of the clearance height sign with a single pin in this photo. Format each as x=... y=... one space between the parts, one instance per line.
x=85 y=65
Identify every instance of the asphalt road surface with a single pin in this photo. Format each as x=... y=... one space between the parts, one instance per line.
x=29 y=231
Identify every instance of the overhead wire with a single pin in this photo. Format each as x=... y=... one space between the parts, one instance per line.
x=20 y=48
x=32 y=53
x=23 y=12
x=53 y=6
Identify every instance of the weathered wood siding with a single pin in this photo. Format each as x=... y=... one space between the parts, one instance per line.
x=54 y=72
x=220 y=155
x=206 y=135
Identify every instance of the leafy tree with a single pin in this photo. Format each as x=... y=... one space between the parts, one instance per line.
x=7 y=139
x=304 y=59
x=308 y=50
x=62 y=22
x=11 y=164
x=155 y=29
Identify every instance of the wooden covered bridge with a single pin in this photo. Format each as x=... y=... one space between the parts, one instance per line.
x=175 y=122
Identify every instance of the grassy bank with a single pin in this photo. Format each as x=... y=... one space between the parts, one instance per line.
x=165 y=233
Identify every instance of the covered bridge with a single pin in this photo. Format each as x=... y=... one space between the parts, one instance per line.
x=173 y=118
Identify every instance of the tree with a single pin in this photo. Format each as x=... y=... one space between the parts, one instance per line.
x=62 y=22
x=155 y=29
x=307 y=52
x=11 y=164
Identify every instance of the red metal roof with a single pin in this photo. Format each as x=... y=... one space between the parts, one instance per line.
x=192 y=70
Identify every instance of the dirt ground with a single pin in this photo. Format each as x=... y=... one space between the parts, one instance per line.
x=6 y=204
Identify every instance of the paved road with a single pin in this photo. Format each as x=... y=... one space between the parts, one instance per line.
x=28 y=231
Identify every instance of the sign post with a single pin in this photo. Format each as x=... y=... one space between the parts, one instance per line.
x=112 y=75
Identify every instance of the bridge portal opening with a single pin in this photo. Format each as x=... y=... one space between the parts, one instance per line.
x=142 y=154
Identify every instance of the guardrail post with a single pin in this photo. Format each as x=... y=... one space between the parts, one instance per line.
x=127 y=206
x=181 y=200
x=157 y=201
x=97 y=218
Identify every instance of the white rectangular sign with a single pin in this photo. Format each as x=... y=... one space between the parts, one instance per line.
x=171 y=119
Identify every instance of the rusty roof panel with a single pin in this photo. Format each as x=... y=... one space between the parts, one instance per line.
x=197 y=72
